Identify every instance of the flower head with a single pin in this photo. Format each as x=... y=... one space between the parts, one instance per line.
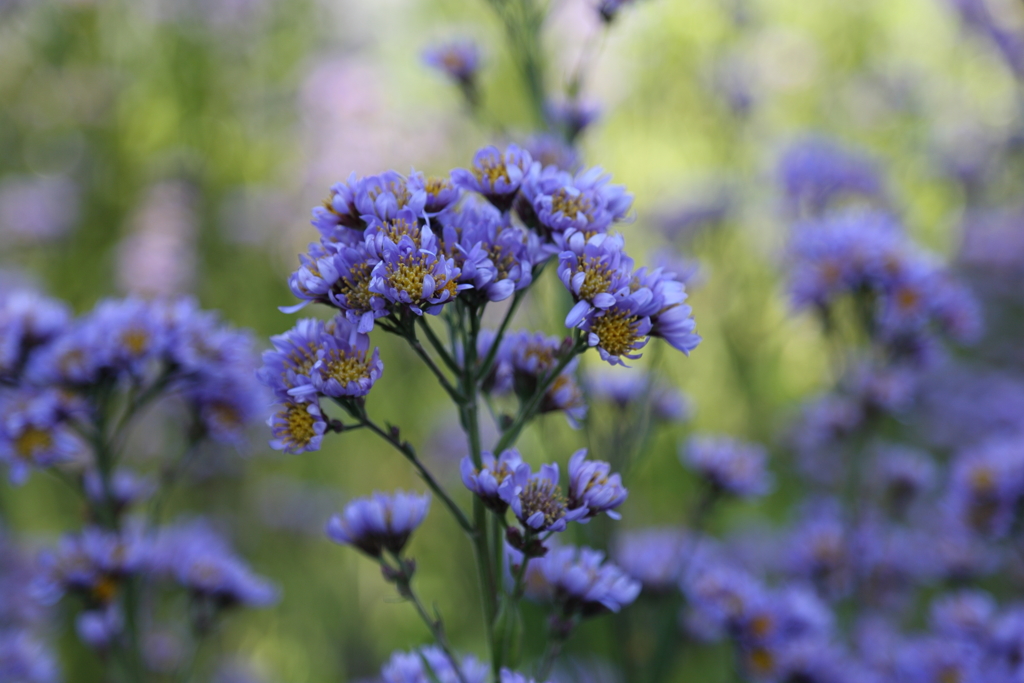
x=297 y=427
x=429 y=664
x=816 y=172
x=458 y=60
x=92 y=564
x=536 y=499
x=34 y=432
x=584 y=202
x=28 y=320
x=495 y=174
x=387 y=195
x=337 y=218
x=440 y=192
x=654 y=557
x=494 y=478
x=380 y=522
x=729 y=465
x=593 y=487
x=580 y=580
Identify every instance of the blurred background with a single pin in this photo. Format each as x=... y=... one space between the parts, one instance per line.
x=175 y=146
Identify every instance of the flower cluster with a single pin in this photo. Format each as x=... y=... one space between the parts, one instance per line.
x=901 y=292
x=579 y=580
x=728 y=465
x=382 y=522
x=55 y=366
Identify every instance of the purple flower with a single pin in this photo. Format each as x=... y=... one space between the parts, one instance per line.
x=815 y=172
x=584 y=202
x=91 y=564
x=903 y=474
x=819 y=550
x=34 y=432
x=987 y=485
x=493 y=479
x=26 y=660
x=572 y=116
x=654 y=557
x=729 y=465
x=440 y=193
x=413 y=271
x=496 y=175
x=494 y=256
x=623 y=389
x=553 y=150
x=513 y=677
x=596 y=271
x=537 y=501
x=297 y=427
x=429 y=664
x=200 y=560
x=340 y=277
x=721 y=593
x=936 y=659
x=125 y=488
x=98 y=628
x=580 y=580
x=593 y=488
x=386 y=196
x=337 y=219
x=288 y=368
x=458 y=60
x=381 y=522
x=28 y=320
x=523 y=358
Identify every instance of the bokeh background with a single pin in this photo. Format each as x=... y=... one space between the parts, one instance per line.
x=175 y=146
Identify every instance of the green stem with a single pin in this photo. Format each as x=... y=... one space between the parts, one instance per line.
x=438 y=346
x=492 y=353
x=422 y=353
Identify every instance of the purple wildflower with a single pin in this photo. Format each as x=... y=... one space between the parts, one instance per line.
x=816 y=172
x=386 y=196
x=572 y=116
x=98 y=628
x=968 y=614
x=508 y=676
x=593 y=488
x=34 y=432
x=28 y=320
x=654 y=557
x=580 y=580
x=440 y=193
x=430 y=663
x=125 y=488
x=524 y=358
x=91 y=564
x=26 y=660
x=297 y=427
x=200 y=560
x=496 y=175
x=584 y=202
x=337 y=219
x=553 y=150
x=537 y=501
x=729 y=465
x=381 y=522
x=458 y=60
x=987 y=485
x=491 y=480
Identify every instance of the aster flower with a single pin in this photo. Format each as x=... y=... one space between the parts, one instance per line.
x=572 y=116
x=595 y=271
x=386 y=196
x=937 y=659
x=28 y=320
x=98 y=628
x=593 y=487
x=720 y=592
x=987 y=485
x=654 y=557
x=225 y=405
x=297 y=427
x=623 y=389
x=288 y=368
x=496 y=175
x=458 y=60
x=553 y=150
x=25 y=659
x=584 y=202
x=536 y=499
x=508 y=676
x=337 y=219
x=200 y=560
x=91 y=564
x=815 y=173
x=413 y=271
x=430 y=663
x=525 y=358
x=34 y=433
x=903 y=474
x=729 y=465
x=340 y=277
x=440 y=193
x=381 y=522
x=493 y=478
x=819 y=550
x=580 y=580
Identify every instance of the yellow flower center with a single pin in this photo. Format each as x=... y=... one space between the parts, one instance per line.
x=570 y=205
x=616 y=332
x=136 y=341
x=105 y=589
x=436 y=186
x=396 y=188
x=347 y=367
x=225 y=414
x=356 y=287
x=300 y=424
x=407 y=276
x=597 y=278
x=540 y=495
x=492 y=172
x=761 y=660
x=32 y=441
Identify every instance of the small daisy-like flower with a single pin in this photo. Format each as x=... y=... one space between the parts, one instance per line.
x=536 y=499
x=91 y=564
x=493 y=478
x=288 y=368
x=654 y=557
x=495 y=174
x=440 y=192
x=380 y=522
x=595 y=271
x=413 y=271
x=34 y=433
x=729 y=465
x=430 y=663
x=337 y=218
x=458 y=60
x=297 y=427
x=583 y=202
x=593 y=487
x=386 y=195
x=580 y=580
